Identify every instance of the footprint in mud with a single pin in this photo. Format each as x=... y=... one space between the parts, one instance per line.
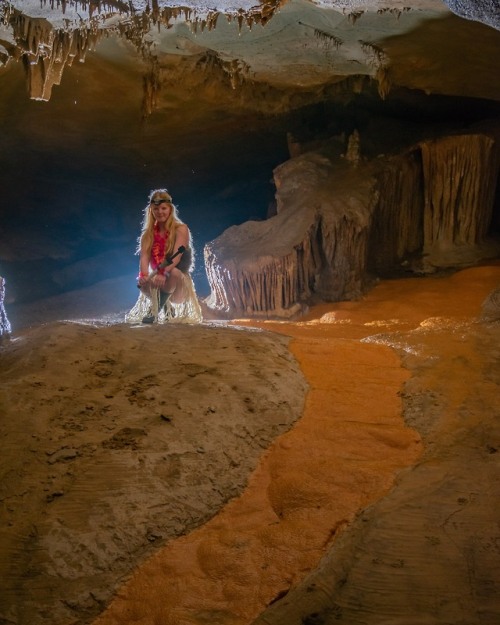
x=125 y=438
x=103 y=368
x=136 y=392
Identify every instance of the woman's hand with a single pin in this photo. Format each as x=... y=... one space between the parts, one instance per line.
x=142 y=280
x=158 y=281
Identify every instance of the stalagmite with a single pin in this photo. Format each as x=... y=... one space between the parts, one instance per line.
x=353 y=152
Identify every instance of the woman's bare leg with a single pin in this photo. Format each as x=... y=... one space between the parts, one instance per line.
x=175 y=286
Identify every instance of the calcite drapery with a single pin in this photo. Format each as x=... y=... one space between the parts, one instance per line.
x=336 y=222
x=436 y=203
x=460 y=174
x=398 y=217
x=316 y=244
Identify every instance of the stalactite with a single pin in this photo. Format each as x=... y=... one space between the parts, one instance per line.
x=384 y=83
x=46 y=52
x=354 y=16
x=460 y=175
x=151 y=89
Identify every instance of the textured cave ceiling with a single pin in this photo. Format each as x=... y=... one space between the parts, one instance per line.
x=101 y=101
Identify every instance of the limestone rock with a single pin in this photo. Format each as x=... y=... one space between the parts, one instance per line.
x=120 y=460
x=486 y=11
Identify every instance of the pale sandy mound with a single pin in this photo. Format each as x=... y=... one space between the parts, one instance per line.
x=115 y=439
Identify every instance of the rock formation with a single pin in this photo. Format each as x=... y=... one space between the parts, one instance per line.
x=337 y=222
x=46 y=51
x=5 y=328
x=490 y=309
x=317 y=242
x=87 y=406
x=486 y=11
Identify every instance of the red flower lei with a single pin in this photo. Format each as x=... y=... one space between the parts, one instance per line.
x=158 y=248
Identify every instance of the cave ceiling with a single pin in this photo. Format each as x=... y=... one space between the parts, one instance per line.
x=269 y=56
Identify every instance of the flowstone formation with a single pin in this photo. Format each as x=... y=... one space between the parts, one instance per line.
x=317 y=242
x=127 y=446
x=340 y=220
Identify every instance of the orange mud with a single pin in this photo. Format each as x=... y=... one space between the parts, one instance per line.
x=342 y=455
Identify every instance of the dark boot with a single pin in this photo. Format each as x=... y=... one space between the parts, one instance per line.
x=163 y=298
x=149 y=318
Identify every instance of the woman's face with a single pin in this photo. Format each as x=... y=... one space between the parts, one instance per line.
x=161 y=209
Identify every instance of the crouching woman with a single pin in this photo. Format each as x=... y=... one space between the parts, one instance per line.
x=166 y=261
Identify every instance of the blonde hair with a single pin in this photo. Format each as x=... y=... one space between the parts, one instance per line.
x=145 y=241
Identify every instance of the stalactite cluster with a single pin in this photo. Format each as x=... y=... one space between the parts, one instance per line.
x=46 y=52
x=394 y=11
x=352 y=220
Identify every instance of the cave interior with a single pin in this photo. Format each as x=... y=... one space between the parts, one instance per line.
x=211 y=105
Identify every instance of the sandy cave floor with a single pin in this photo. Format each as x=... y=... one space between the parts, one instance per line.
x=193 y=485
